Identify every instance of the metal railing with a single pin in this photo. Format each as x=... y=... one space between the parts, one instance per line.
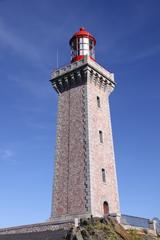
x=135 y=221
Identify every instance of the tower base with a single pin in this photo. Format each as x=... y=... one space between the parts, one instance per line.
x=69 y=218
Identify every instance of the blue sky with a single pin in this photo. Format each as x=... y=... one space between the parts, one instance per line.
x=128 y=44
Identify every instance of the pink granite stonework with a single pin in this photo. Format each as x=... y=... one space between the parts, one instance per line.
x=79 y=188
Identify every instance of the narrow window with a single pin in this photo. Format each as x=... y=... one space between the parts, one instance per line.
x=106 y=208
x=100 y=136
x=98 y=102
x=103 y=175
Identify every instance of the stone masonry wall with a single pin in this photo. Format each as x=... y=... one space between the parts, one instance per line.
x=69 y=186
x=39 y=227
x=101 y=154
x=59 y=200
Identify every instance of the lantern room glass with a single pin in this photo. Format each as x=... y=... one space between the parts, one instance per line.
x=82 y=46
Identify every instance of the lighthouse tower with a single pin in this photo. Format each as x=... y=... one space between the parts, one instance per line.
x=85 y=181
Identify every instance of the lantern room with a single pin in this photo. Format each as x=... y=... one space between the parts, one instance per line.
x=82 y=43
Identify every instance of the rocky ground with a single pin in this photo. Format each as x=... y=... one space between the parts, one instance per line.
x=105 y=229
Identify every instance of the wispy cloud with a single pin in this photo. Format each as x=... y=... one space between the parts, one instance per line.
x=33 y=83
x=18 y=44
x=26 y=78
x=125 y=57
x=38 y=125
x=6 y=154
x=147 y=53
x=122 y=35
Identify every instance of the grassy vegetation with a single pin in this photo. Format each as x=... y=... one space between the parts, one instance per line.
x=100 y=230
x=134 y=235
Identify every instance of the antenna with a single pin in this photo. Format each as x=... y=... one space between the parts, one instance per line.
x=57 y=58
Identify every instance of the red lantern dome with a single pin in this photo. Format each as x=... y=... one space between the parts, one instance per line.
x=82 y=43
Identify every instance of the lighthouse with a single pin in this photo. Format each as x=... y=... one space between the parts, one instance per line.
x=85 y=180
